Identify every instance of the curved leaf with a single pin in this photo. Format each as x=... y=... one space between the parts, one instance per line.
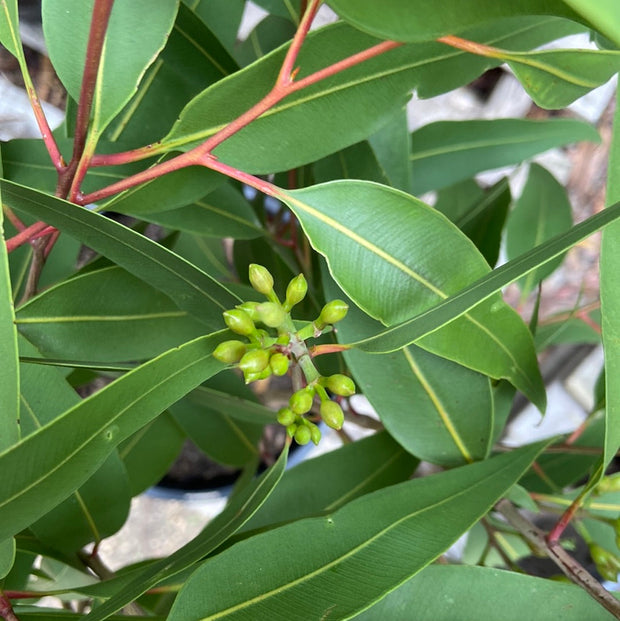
x=417 y=20
x=445 y=592
x=395 y=257
x=331 y=576
x=239 y=510
x=65 y=452
x=456 y=305
x=190 y=288
x=7 y=556
x=445 y=152
x=106 y=315
x=9 y=27
x=343 y=109
x=122 y=63
x=604 y=15
x=9 y=377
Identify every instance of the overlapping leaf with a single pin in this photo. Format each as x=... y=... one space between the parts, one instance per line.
x=331 y=575
x=394 y=256
x=603 y=15
x=64 y=453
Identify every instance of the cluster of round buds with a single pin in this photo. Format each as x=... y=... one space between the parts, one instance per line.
x=264 y=353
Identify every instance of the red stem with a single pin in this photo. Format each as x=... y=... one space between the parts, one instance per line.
x=556 y=532
x=45 y=129
x=25 y=236
x=6 y=609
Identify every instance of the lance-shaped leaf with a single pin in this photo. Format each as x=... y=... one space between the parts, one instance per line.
x=439 y=411
x=9 y=27
x=443 y=592
x=7 y=556
x=396 y=257
x=106 y=315
x=542 y=211
x=456 y=305
x=122 y=64
x=328 y=576
x=190 y=288
x=65 y=452
x=9 y=377
x=556 y=78
x=445 y=152
x=239 y=510
x=417 y=20
x=610 y=304
x=343 y=109
x=603 y=15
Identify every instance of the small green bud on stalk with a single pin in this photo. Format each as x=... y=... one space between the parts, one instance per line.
x=295 y=292
x=609 y=484
x=303 y=435
x=261 y=279
x=332 y=312
x=340 y=385
x=271 y=314
x=315 y=433
x=286 y=416
x=291 y=429
x=239 y=322
x=332 y=414
x=229 y=352
x=607 y=563
x=250 y=309
x=254 y=361
x=279 y=364
x=301 y=401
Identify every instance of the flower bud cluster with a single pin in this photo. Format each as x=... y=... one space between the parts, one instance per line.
x=264 y=353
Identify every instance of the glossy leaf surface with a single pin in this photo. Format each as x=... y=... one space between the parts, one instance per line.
x=400 y=268
x=9 y=27
x=66 y=451
x=190 y=288
x=122 y=64
x=445 y=152
x=542 y=211
x=416 y=20
x=481 y=594
x=239 y=510
x=604 y=15
x=9 y=376
x=332 y=573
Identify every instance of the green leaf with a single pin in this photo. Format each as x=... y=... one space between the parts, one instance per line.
x=416 y=20
x=341 y=110
x=222 y=16
x=122 y=64
x=190 y=288
x=333 y=553
x=604 y=15
x=355 y=162
x=542 y=211
x=223 y=213
x=69 y=449
x=94 y=317
x=445 y=152
x=192 y=60
x=402 y=267
x=240 y=509
x=439 y=411
x=413 y=329
x=483 y=593
x=149 y=453
x=7 y=556
x=556 y=78
x=362 y=467
x=9 y=377
x=9 y=27
x=610 y=304
x=283 y=8
x=270 y=33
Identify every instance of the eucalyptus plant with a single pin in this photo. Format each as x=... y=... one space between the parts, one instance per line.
x=238 y=199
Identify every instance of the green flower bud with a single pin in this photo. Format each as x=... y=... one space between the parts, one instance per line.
x=286 y=416
x=239 y=321
x=291 y=429
x=340 y=385
x=333 y=312
x=609 y=484
x=315 y=434
x=254 y=361
x=332 y=414
x=296 y=291
x=229 y=351
x=271 y=314
x=250 y=309
x=283 y=339
x=606 y=563
x=279 y=363
x=303 y=435
x=261 y=279
x=301 y=401
x=251 y=377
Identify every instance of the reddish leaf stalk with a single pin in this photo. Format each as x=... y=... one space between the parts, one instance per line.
x=6 y=609
x=471 y=46
x=44 y=128
x=24 y=236
x=556 y=532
